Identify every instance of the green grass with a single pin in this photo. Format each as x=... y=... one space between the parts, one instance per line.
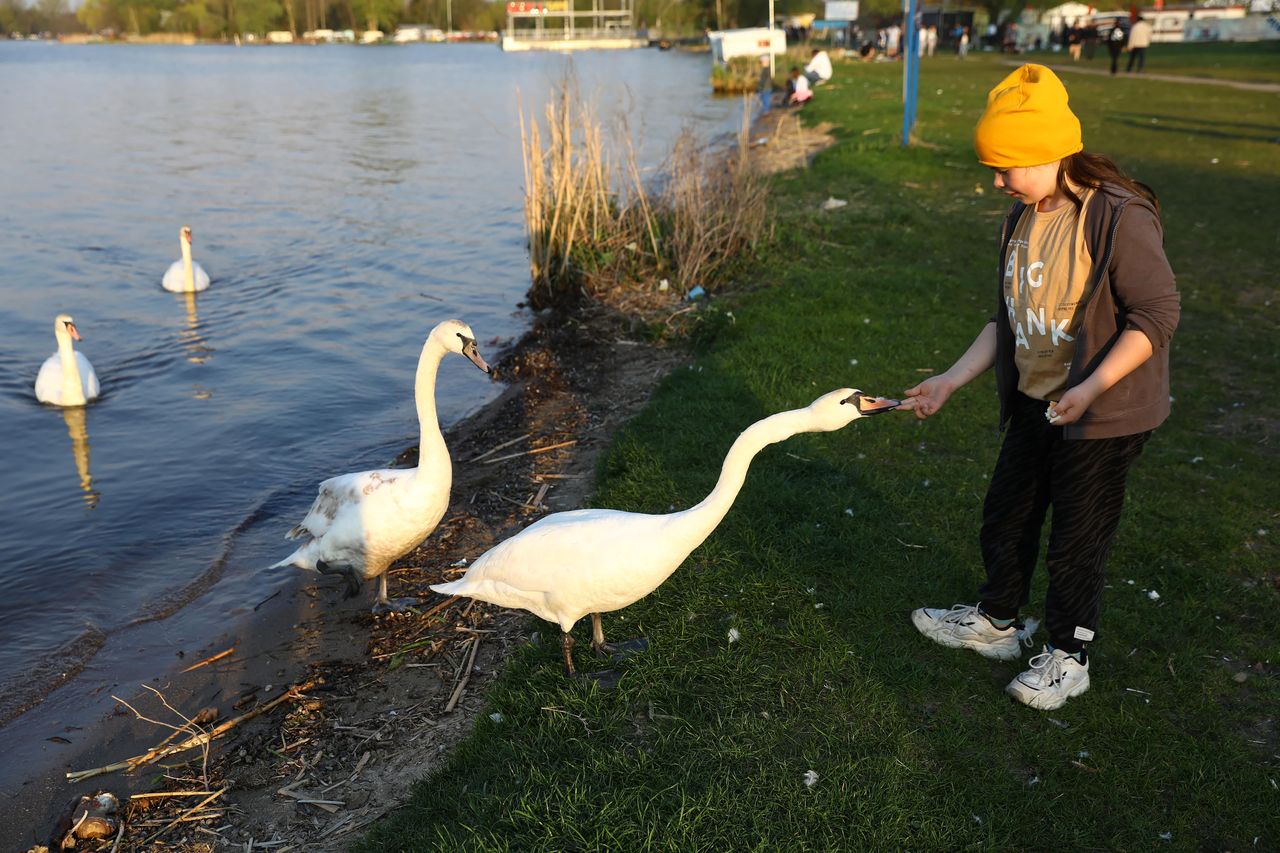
x=836 y=537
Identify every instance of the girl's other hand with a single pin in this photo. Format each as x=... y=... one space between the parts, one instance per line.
x=928 y=397
x=1073 y=405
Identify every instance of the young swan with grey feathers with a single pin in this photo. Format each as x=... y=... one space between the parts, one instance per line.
x=569 y=564
x=361 y=523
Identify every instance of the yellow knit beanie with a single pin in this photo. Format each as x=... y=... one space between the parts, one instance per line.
x=1027 y=121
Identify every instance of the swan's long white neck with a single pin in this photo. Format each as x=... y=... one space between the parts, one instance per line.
x=433 y=456
x=72 y=387
x=700 y=520
x=188 y=274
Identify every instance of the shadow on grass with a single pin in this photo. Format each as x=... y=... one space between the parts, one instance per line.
x=1269 y=134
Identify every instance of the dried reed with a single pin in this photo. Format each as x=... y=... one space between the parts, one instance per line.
x=597 y=229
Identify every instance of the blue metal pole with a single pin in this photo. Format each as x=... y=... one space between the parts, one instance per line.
x=911 y=71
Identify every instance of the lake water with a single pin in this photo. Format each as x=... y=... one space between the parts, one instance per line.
x=343 y=200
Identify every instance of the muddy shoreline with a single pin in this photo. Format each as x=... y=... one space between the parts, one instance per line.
x=389 y=700
x=390 y=696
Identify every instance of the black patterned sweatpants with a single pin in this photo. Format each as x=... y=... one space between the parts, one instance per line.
x=1083 y=480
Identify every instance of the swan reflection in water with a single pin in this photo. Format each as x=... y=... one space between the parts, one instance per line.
x=198 y=348
x=75 y=416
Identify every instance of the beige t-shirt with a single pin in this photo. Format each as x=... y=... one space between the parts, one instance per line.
x=1045 y=276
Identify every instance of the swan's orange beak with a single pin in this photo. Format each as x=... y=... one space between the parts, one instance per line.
x=71 y=330
x=472 y=353
x=869 y=405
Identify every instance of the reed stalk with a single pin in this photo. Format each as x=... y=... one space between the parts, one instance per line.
x=598 y=229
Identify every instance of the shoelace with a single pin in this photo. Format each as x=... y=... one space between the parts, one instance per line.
x=960 y=612
x=1045 y=668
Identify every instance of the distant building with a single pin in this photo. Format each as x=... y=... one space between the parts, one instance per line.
x=418 y=32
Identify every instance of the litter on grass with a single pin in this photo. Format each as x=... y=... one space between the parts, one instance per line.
x=833 y=203
x=734 y=635
x=810 y=778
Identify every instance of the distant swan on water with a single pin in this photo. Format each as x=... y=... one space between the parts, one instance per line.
x=66 y=378
x=185 y=275
x=591 y=561
x=361 y=523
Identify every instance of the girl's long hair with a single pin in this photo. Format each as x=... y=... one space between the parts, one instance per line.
x=1093 y=171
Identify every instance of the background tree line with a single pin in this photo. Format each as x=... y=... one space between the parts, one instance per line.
x=222 y=19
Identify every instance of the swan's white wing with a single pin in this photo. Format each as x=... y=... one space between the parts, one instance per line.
x=49 y=381
x=339 y=492
x=201 y=277
x=174 y=279
x=88 y=379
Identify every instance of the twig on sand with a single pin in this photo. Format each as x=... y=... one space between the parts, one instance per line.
x=498 y=447
x=197 y=740
x=533 y=452
x=210 y=659
x=179 y=819
x=466 y=676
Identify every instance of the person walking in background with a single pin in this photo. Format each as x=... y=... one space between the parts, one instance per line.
x=1139 y=41
x=1115 y=44
x=931 y=40
x=1075 y=41
x=1086 y=308
x=962 y=46
x=1090 y=41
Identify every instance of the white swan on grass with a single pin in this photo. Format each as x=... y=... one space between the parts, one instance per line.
x=185 y=276
x=569 y=564
x=66 y=378
x=361 y=523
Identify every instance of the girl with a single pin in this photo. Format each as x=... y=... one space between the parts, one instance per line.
x=1080 y=345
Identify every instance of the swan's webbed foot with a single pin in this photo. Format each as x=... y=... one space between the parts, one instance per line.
x=621 y=651
x=605 y=679
x=614 y=651
x=394 y=605
x=348 y=572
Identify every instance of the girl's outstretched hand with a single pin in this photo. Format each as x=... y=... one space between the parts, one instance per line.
x=928 y=397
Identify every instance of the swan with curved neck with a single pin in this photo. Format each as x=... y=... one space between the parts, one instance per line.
x=591 y=561
x=361 y=523
x=66 y=378
x=185 y=276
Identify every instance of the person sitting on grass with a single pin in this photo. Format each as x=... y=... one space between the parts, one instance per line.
x=818 y=71
x=798 y=91
x=1080 y=345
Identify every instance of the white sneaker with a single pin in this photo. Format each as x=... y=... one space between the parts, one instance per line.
x=1054 y=678
x=964 y=626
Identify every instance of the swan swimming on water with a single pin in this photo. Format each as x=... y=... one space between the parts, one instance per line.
x=185 y=276
x=569 y=564
x=361 y=523
x=66 y=378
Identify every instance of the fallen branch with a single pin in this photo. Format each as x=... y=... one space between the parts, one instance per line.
x=210 y=659
x=535 y=451
x=180 y=818
x=466 y=676
x=498 y=447
x=197 y=740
